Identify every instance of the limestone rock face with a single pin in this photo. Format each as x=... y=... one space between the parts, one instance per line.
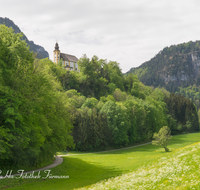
x=41 y=52
x=174 y=66
x=182 y=75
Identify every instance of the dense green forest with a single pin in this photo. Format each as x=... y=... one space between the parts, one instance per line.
x=34 y=119
x=193 y=93
x=45 y=109
x=112 y=110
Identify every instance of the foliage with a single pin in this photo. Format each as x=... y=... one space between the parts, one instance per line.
x=162 y=137
x=96 y=79
x=133 y=111
x=34 y=119
x=182 y=110
x=116 y=122
x=40 y=101
x=191 y=92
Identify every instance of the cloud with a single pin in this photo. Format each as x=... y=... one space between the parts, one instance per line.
x=126 y=31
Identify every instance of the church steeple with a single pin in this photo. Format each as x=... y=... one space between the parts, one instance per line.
x=56 y=46
x=56 y=54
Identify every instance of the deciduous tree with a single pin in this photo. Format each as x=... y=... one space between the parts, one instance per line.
x=162 y=137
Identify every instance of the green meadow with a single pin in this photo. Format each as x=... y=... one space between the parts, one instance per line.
x=143 y=167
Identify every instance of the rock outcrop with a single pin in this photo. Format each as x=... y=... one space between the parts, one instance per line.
x=39 y=50
x=174 y=66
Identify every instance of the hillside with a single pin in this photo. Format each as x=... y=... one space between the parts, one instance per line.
x=178 y=170
x=41 y=52
x=174 y=66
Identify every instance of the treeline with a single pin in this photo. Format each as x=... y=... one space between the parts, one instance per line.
x=183 y=110
x=45 y=109
x=191 y=92
x=110 y=110
x=120 y=119
x=97 y=77
x=117 y=120
x=34 y=118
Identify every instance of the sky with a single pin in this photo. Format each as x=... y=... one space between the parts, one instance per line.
x=129 y=32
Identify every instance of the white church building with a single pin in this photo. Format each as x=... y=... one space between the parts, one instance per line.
x=69 y=62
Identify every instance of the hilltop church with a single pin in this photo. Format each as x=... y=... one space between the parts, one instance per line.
x=69 y=62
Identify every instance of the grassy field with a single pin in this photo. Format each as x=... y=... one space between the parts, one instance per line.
x=180 y=170
x=134 y=163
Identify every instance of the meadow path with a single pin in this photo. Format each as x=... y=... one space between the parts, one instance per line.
x=59 y=159
x=56 y=162
x=108 y=150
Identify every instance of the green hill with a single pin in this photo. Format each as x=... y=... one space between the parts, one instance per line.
x=179 y=170
x=174 y=66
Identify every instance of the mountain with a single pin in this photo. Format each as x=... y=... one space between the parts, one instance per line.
x=41 y=52
x=173 y=67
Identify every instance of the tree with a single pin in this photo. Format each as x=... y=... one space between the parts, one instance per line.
x=188 y=125
x=117 y=122
x=162 y=137
x=34 y=114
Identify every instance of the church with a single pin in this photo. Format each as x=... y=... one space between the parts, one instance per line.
x=69 y=62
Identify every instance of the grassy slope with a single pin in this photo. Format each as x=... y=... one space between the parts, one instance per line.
x=179 y=170
x=87 y=169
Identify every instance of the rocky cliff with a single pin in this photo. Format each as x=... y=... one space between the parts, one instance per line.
x=41 y=52
x=174 y=66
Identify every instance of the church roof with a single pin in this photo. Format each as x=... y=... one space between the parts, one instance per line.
x=67 y=57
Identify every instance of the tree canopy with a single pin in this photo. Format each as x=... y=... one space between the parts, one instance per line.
x=45 y=109
x=34 y=118
x=162 y=137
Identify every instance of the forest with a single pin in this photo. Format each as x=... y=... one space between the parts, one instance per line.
x=173 y=67
x=45 y=109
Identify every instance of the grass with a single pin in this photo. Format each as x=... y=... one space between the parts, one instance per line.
x=87 y=169
x=179 y=170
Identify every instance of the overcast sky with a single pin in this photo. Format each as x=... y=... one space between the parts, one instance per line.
x=127 y=31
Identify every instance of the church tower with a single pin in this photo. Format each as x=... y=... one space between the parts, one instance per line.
x=56 y=54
